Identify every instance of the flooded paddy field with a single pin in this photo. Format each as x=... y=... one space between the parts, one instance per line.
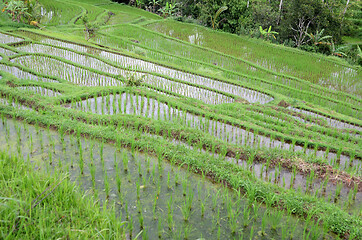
x=175 y=136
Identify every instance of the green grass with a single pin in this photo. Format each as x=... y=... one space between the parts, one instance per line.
x=37 y=205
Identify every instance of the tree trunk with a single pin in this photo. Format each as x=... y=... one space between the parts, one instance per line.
x=344 y=13
x=280 y=11
x=300 y=31
x=280 y=5
x=345 y=9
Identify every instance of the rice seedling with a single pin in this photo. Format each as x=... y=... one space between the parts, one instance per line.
x=130 y=226
x=170 y=221
x=125 y=161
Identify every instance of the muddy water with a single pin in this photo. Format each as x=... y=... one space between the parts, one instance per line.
x=141 y=180
x=151 y=108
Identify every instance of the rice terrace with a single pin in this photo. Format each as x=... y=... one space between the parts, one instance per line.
x=131 y=121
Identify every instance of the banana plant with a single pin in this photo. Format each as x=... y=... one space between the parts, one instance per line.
x=139 y=3
x=153 y=4
x=169 y=9
x=318 y=38
x=267 y=33
x=217 y=14
x=337 y=50
x=359 y=52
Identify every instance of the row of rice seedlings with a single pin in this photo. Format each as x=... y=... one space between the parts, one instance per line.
x=307 y=67
x=17 y=72
x=42 y=91
x=287 y=179
x=71 y=56
x=137 y=64
x=177 y=205
x=114 y=41
x=77 y=140
x=264 y=116
x=157 y=41
x=350 y=75
x=196 y=66
x=206 y=96
x=5 y=38
x=332 y=122
x=58 y=13
x=85 y=77
x=345 y=81
x=277 y=123
x=73 y=46
x=79 y=76
x=6 y=52
x=10 y=101
x=151 y=108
